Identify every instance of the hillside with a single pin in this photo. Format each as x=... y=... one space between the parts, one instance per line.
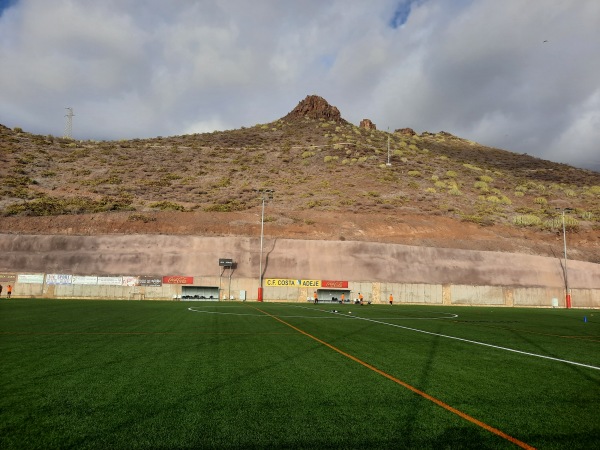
x=331 y=181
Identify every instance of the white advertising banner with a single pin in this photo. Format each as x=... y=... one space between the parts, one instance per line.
x=131 y=281
x=58 y=278
x=79 y=279
x=110 y=281
x=32 y=278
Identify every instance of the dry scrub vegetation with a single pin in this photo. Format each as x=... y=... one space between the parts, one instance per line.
x=315 y=165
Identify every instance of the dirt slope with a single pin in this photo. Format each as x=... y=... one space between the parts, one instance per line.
x=409 y=229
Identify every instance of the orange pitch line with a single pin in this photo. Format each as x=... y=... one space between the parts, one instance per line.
x=408 y=386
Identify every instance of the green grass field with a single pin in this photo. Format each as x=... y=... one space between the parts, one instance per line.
x=156 y=375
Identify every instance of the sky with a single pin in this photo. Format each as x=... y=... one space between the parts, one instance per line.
x=521 y=75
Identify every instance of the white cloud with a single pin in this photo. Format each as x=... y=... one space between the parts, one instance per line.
x=141 y=68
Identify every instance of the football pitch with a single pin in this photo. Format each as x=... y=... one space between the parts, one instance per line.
x=86 y=374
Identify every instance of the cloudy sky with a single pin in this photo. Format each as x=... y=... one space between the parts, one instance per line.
x=522 y=75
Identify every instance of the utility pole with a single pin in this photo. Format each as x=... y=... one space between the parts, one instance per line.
x=69 y=124
x=266 y=194
x=567 y=290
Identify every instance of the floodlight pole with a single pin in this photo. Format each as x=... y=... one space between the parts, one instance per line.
x=567 y=290
x=266 y=194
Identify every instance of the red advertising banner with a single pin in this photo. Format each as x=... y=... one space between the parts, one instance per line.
x=334 y=284
x=178 y=279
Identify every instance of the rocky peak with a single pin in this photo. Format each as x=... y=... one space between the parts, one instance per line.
x=315 y=107
x=367 y=124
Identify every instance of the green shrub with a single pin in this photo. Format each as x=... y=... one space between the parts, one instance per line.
x=451 y=174
x=478 y=219
x=556 y=223
x=141 y=218
x=231 y=205
x=414 y=173
x=167 y=206
x=526 y=220
x=472 y=167
x=313 y=203
x=53 y=206
x=481 y=185
x=540 y=201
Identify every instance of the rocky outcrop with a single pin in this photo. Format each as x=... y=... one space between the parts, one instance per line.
x=367 y=124
x=405 y=131
x=315 y=107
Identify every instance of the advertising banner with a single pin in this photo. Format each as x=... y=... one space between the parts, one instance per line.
x=270 y=282
x=58 y=278
x=131 y=281
x=278 y=282
x=150 y=281
x=8 y=278
x=84 y=279
x=32 y=278
x=334 y=284
x=110 y=281
x=178 y=279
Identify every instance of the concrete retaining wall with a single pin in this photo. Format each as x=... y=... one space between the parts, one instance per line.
x=414 y=275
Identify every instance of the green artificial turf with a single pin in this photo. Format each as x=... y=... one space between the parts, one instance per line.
x=155 y=375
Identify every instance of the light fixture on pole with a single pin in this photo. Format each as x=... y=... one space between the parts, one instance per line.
x=567 y=290
x=266 y=194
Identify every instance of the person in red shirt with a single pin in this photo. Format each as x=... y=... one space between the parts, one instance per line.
x=8 y=290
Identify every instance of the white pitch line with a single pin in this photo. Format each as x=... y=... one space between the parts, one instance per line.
x=262 y=315
x=448 y=315
x=341 y=315
x=484 y=344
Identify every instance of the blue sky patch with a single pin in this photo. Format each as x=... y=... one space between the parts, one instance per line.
x=5 y=4
x=401 y=14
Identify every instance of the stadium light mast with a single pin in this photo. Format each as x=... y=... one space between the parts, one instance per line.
x=266 y=194
x=69 y=123
x=567 y=290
